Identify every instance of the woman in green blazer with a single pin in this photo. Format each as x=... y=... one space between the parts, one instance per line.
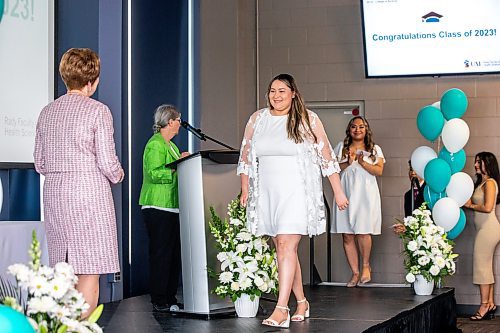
x=160 y=208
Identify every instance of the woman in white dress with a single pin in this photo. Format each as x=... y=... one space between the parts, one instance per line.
x=283 y=154
x=361 y=160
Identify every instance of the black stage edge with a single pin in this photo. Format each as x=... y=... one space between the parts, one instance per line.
x=435 y=315
x=333 y=309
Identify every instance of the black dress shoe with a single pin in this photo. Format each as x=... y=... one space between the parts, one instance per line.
x=163 y=308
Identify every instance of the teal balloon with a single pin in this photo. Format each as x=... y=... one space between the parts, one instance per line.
x=437 y=174
x=2 y=4
x=432 y=197
x=430 y=122
x=455 y=160
x=453 y=103
x=459 y=227
x=12 y=321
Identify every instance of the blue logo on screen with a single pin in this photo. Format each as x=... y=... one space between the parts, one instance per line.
x=1 y=9
x=472 y=63
x=431 y=17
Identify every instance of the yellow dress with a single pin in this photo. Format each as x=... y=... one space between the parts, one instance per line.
x=487 y=238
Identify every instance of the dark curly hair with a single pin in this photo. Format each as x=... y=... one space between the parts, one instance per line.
x=369 y=144
x=487 y=162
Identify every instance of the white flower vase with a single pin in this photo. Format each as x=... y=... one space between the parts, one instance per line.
x=245 y=307
x=422 y=286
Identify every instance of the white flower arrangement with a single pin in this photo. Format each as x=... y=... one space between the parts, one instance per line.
x=248 y=264
x=53 y=305
x=428 y=250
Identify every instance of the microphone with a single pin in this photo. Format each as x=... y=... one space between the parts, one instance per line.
x=195 y=131
x=200 y=135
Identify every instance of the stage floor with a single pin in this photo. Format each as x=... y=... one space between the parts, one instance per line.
x=333 y=309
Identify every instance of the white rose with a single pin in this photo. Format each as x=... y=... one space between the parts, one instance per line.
x=412 y=245
x=226 y=277
x=244 y=236
x=423 y=260
x=263 y=287
x=245 y=283
x=221 y=256
x=434 y=270
x=240 y=248
x=235 y=286
x=410 y=278
x=439 y=262
x=258 y=281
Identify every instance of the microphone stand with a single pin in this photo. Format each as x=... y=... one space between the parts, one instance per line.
x=414 y=187
x=202 y=136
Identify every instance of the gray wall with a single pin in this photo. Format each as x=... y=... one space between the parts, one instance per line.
x=320 y=43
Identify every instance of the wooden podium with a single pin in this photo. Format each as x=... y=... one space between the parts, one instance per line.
x=206 y=178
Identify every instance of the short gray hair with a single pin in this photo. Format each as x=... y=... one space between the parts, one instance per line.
x=163 y=114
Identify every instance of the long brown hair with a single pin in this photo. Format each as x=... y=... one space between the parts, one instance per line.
x=297 y=117
x=490 y=164
x=368 y=140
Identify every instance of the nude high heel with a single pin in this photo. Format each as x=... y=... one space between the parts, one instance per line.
x=354 y=281
x=299 y=317
x=284 y=324
x=365 y=278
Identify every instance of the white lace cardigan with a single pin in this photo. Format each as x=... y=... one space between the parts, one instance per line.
x=313 y=157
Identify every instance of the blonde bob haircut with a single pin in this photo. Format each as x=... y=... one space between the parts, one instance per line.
x=79 y=67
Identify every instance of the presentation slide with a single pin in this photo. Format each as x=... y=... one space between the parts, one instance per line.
x=26 y=74
x=425 y=37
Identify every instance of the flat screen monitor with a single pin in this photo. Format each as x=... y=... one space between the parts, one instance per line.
x=430 y=38
x=26 y=75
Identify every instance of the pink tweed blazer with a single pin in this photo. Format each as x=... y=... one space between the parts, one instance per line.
x=75 y=151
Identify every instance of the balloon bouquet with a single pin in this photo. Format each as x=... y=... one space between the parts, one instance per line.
x=447 y=187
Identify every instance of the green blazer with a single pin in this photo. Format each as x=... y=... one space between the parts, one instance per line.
x=159 y=184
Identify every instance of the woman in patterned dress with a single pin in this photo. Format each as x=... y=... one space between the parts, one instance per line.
x=75 y=151
x=283 y=154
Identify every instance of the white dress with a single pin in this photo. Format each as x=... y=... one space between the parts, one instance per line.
x=364 y=213
x=285 y=194
x=282 y=208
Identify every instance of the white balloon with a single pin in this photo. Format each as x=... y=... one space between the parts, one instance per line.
x=455 y=134
x=437 y=105
x=446 y=213
x=420 y=157
x=460 y=188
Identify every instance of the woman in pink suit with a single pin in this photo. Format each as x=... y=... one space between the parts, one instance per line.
x=75 y=151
